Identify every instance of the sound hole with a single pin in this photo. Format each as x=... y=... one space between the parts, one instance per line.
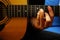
x=2 y=11
x=2 y=14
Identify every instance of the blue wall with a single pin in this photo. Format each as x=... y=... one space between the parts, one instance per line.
x=55 y=26
x=56 y=22
x=52 y=2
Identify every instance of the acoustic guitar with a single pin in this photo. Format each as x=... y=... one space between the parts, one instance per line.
x=14 y=14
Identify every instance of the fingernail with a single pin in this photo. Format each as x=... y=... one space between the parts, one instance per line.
x=41 y=10
x=49 y=7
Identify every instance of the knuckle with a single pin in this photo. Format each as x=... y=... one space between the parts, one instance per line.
x=48 y=20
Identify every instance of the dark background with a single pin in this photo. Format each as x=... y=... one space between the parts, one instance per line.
x=36 y=2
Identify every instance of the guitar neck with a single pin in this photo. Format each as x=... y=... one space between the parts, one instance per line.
x=28 y=10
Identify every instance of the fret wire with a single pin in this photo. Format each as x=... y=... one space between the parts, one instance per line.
x=20 y=10
x=17 y=10
x=44 y=7
x=23 y=9
x=11 y=10
x=31 y=11
x=27 y=11
x=14 y=10
x=39 y=6
x=35 y=10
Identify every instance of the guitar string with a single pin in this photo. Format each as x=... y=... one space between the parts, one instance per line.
x=27 y=9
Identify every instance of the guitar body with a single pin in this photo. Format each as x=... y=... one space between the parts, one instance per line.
x=15 y=28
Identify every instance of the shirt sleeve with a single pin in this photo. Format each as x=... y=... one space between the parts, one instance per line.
x=52 y=2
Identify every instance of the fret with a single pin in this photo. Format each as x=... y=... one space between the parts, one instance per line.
x=37 y=8
x=42 y=6
x=25 y=10
x=14 y=10
x=35 y=11
x=31 y=11
x=17 y=10
x=45 y=9
x=20 y=11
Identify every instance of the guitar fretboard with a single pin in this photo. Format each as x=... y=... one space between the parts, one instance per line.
x=28 y=10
